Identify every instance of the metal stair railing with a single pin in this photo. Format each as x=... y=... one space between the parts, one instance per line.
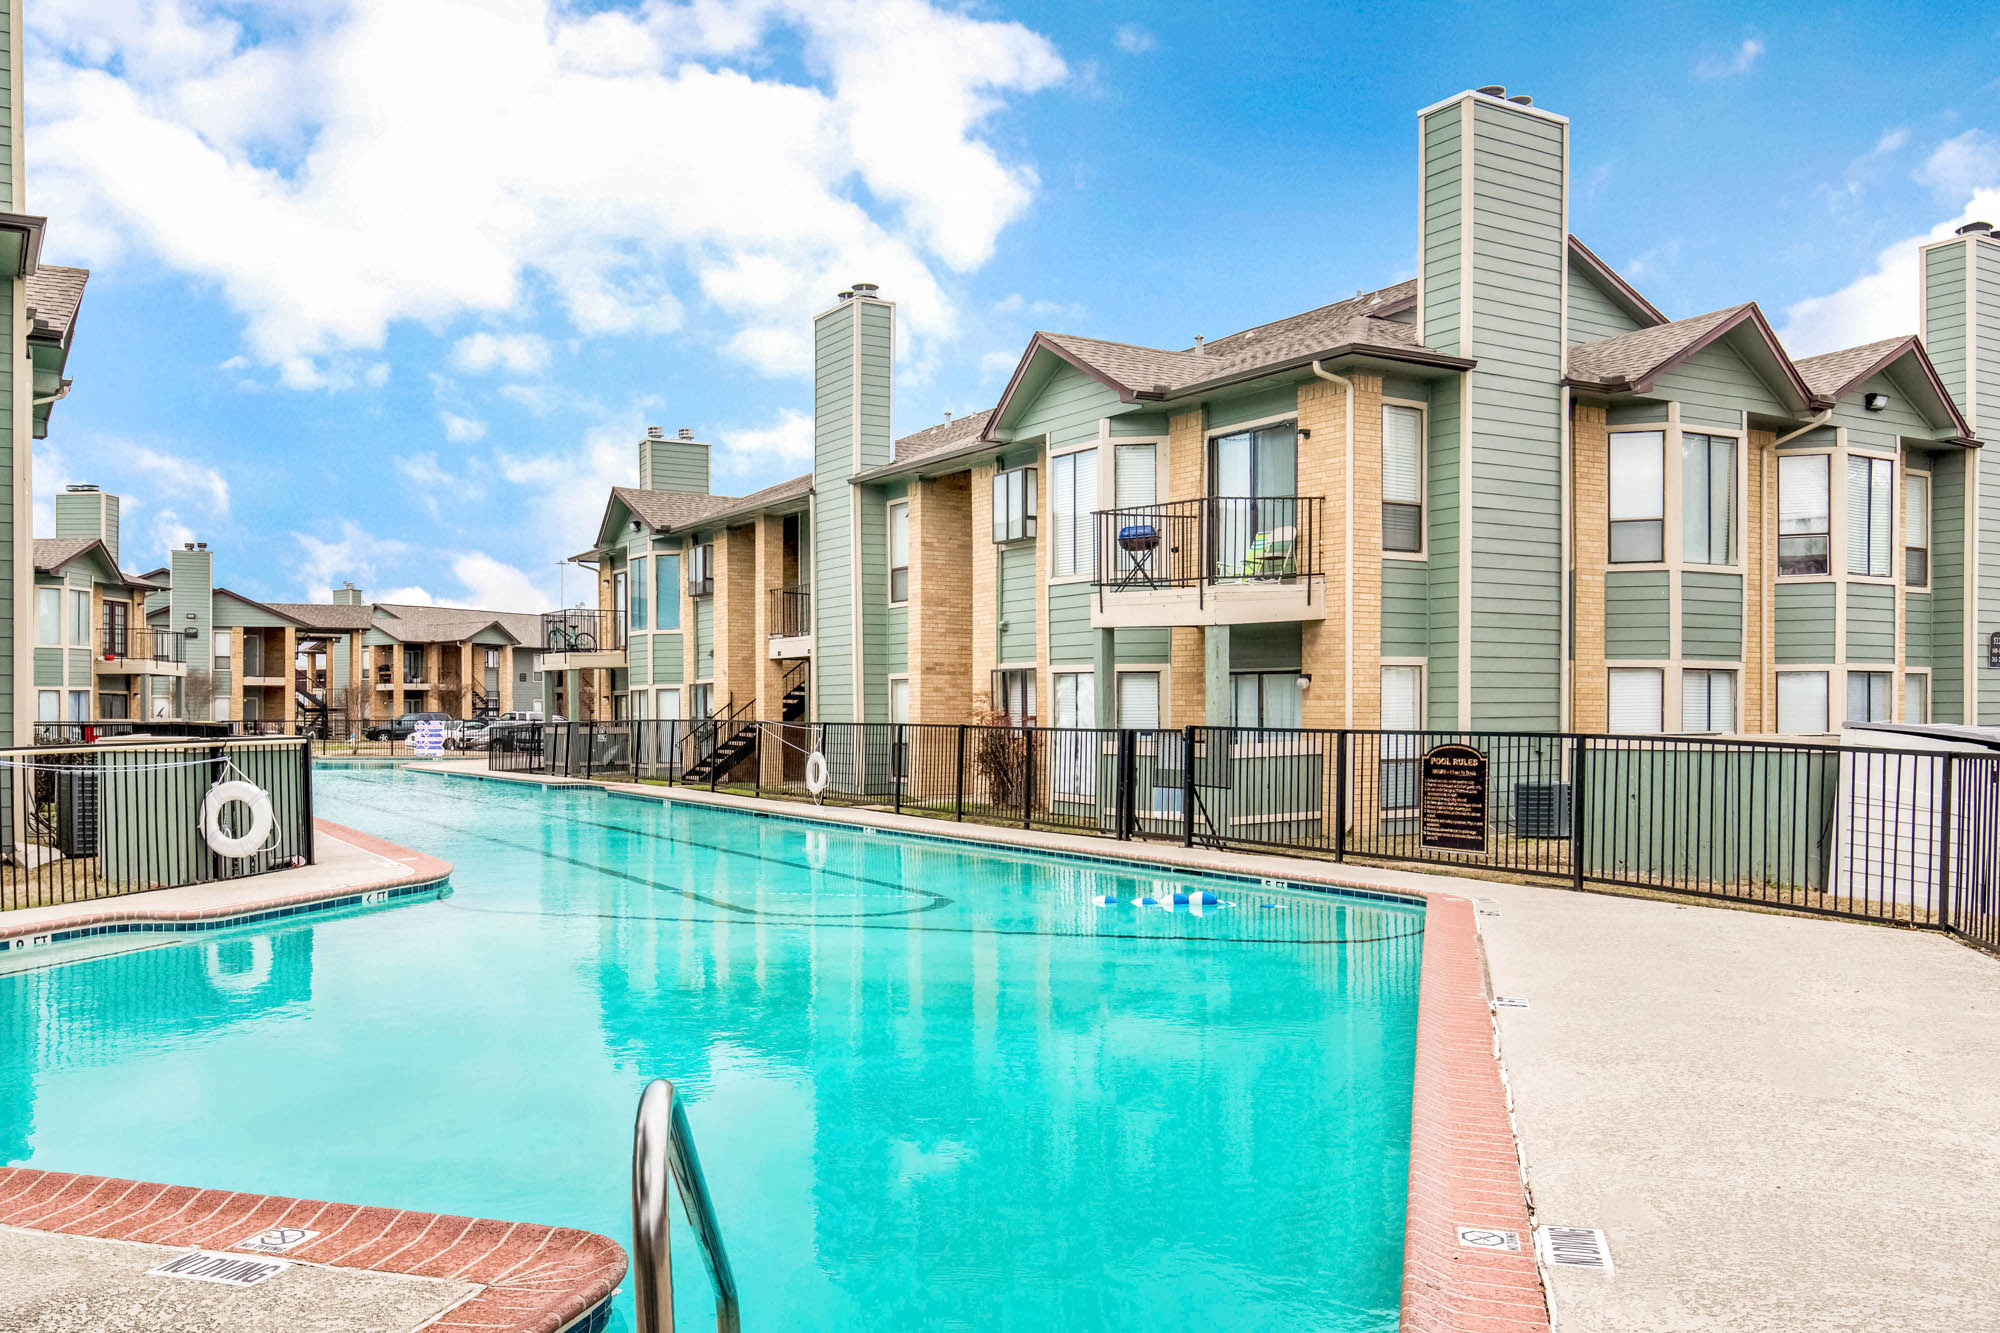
x=662 y=1155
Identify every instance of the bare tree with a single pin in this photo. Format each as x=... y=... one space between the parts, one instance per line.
x=198 y=694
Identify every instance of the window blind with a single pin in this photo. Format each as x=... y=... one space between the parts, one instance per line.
x=1139 y=700
x=1802 y=701
x=1637 y=700
x=1402 y=455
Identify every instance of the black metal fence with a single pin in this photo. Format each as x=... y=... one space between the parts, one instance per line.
x=1902 y=836
x=790 y=612
x=84 y=822
x=582 y=629
x=139 y=643
x=1218 y=539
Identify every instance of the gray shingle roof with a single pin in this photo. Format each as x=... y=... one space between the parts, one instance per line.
x=54 y=552
x=1830 y=373
x=943 y=437
x=326 y=615
x=54 y=294
x=1631 y=357
x=451 y=624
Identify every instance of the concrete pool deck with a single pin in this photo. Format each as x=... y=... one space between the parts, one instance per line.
x=1781 y=1123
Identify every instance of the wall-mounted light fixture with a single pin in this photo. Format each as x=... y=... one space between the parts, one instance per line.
x=1874 y=402
x=1304 y=680
x=1305 y=433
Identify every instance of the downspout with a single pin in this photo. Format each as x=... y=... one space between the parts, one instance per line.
x=1347 y=525
x=1812 y=425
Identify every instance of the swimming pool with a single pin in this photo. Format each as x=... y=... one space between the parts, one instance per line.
x=934 y=1085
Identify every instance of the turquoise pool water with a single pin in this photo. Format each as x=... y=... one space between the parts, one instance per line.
x=933 y=1086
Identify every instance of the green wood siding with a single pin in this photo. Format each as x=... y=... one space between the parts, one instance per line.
x=674 y=465
x=879 y=637
x=1947 y=627
x=895 y=648
x=1871 y=624
x=1593 y=315
x=1715 y=387
x=1153 y=424
x=1265 y=648
x=1072 y=642
x=704 y=639
x=231 y=612
x=1519 y=249
x=1441 y=517
x=1986 y=261
x=1882 y=431
x=669 y=659
x=1944 y=314
x=1274 y=400
x=1442 y=187
x=14 y=621
x=639 y=656
x=48 y=668
x=1143 y=647
x=1802 y=623
x=1712 y=616
x=1406 y=613
x=1399 y=386
x=1636 y=616
x=1066 y=408
x=832 y=525
x=1017 y=603
x=1919 y=650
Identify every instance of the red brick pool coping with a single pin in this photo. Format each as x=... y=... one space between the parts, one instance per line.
x=229 y=898
x=533 y=1279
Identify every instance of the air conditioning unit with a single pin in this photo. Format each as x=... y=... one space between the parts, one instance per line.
x=1541 y=810
x=77 y=811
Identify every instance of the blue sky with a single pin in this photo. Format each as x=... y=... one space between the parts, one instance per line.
x=388 y=289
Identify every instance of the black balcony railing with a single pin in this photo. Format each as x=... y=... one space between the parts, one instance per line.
x=582 y=629
x=141 y=644
x=1216 y=540
x=791 y=612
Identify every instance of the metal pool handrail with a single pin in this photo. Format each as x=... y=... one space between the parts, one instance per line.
x=663 y=1150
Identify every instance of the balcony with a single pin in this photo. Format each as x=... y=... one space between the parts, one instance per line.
x=582 y=638
x=123 y=651
x=1223 y=560
x=791 y=624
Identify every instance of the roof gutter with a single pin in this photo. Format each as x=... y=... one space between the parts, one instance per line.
x=1825 y=415
x=1347 y=599
x=1414 y=356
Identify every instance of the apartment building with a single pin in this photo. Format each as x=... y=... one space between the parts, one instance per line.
x=1508 y=494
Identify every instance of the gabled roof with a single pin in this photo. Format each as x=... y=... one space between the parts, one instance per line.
x=943 y=437
x=1834 y=375
x=450 y=624
x=52 y=553
x=1624 y=293
x=1359 y=325
x=220 y=591
x=326 y=615
x=54 y=295
x=681 y=511
x=1632 y=362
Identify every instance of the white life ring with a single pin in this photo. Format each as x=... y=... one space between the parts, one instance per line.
x=816 y=772
x=251 y=840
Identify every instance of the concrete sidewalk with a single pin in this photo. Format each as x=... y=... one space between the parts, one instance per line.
x=1782 y=1124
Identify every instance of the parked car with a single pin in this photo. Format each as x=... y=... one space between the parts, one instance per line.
x=471 y=735
x=518 y=716
x=401 y=728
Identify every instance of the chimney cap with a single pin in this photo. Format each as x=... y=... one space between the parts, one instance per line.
x=201 y=546
x=656 y=432
x=82 y=488
x=1975 y=229
x=1522 y=99
x=686 y=433
x=187 y=546
x=1492 y=90
x=867 y=289
x=846 y=296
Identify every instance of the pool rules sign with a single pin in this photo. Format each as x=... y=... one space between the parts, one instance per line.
x=1451 y=800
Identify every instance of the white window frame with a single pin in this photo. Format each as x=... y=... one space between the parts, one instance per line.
x=1878 y=465
x=1779 y=534
x=43 y=596
x=891 y=512
x=1871 y=674
x=895 y=679
x=1159 y=674
x=1912 y=675
x=1735 y=676
x=1612 y=520
x=1912 y=477
x=1083 y=523
x=639 y=594
x=1825 y=675
x=1423 y=411
x=1612 y=676
x=1734 y=555
x=1405 y=753
x=1071 y=756
x=1027 y=520
x=48 y=706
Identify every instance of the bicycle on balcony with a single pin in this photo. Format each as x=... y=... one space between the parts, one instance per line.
x=571 y=637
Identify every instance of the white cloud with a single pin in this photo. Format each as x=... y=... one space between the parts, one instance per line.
x=566 y=489
x=537 y=399
x=494 y=585
x=1737 y=63
x=352 y=553
x=425 y=470
x=1961 y=166
x=410 y=594
x=528 y=143
x=462 y=430
x=1881 y=303
x=166 y=532
x=783 y=448
x=518 y=353
x=1133 y=39
x=178 y=478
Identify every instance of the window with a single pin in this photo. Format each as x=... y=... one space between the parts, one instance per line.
x=638 y=705
x=1917 y=530
x=1402 y=479
x=114 y=706
x=668 y=584
x=1076 y=709
x=701 y=700
x=1135 y=486
x=1708 y=701
x=117 y=630
x=48 y=706
x=1802 y=515
x=1072 y=497
x=413 y=664
x=639 y=589
x=1014 y=505
x=1868 y=696
x=48 y=616
x=899 y=699
x=253 y=654
x=1253 y=484
x=79 y=703
x=1402 y=711
x=701 y=570
x=222 y=643
x=619 y=608
x=79 y=616
x=1916 y=699
x=1014 y=695
x=899 y=552
x=1708 y=499
x=1869 y=518
x=670 y=705
x=219 y=710
x=1802 y=703
x=1139 y=700
x=1267 y=700
x=1638 y=500
x=1637 y=700
x=1257 y=464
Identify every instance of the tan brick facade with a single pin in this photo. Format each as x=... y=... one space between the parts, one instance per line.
x=985 y=574
x=1323 y=471
x=736 y=614
x=1590 y=536
x=1187 y=470
x=940 y=616
x=1367 y=520
x=1760 y=567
